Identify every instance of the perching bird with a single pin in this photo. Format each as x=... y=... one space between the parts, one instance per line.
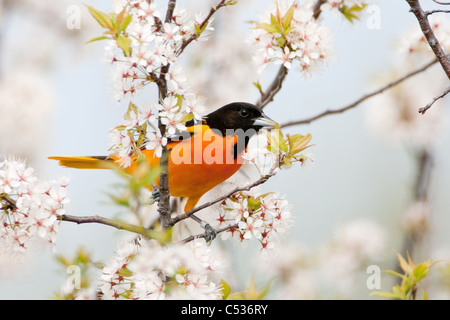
x=207 y=155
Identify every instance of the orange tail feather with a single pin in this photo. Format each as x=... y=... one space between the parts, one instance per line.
x=84 y=162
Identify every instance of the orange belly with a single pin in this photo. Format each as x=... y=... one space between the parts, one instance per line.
x=197 y=164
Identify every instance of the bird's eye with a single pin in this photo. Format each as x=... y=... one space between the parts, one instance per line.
x=244 y=113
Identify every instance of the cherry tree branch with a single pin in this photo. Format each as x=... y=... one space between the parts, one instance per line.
x=10 y=204
x=258 y=182
x=316 y=9
x=428 y=106
x=170 y=9
x=148 y=232
x=108 y=222
x=268 y=95
x=360 y=100
x=433 y=42
x=164 y=203
x=275 y=86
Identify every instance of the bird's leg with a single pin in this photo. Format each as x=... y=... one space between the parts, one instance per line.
x=210 y=232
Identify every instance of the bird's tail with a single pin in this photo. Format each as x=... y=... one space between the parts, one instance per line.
x=85 y=162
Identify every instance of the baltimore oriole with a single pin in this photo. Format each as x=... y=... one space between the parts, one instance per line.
x=208 y=154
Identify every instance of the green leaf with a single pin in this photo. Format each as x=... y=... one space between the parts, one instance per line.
x=188 y=117
x=283 y=145
x=350 y=13
x=277 y=18
x=392 y=272
x=281 y=41
x=298 y=143
x=347 y=14
x=421 y=270
x=120 y=200
x=268 y=27
x=255 y=294
x=103 y=19
x=237 y=296
x=63 y=260
x=287 y=162
x=272 y=149
x=198 y=30
x=124 y=43
x=120 y=128
x=357 y=8
x=273 y=20
x=252 y=292
x=119 y=17
x=132 y=109
x=258 y=86
x=226 y=290
x=164 y=236
x=254 y=203
x=399 y=293
x=287 y=19
x=83 y=256
x=410 y=280
x=121 y=21
x=142 y=176
x=126 y=21
x=385 y=294
x=404 y=264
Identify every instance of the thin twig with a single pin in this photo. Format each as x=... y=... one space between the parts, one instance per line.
x=262 y=180
x=316 y=9
x=433 y=42
x=170 y=9
x=443 y=3
x=164 y=202
x=360 y=100
x=273 y=88
x=11 y=204
x=428 y=106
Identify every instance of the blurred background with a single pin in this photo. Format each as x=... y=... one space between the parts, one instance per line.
x=359 y=193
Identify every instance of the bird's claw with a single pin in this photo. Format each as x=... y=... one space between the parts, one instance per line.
x=210 y=233
x=156 y=195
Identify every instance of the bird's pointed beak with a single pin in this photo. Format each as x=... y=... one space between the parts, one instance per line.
x=265 y=122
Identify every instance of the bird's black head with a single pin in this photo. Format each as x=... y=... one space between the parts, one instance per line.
x=239 y=115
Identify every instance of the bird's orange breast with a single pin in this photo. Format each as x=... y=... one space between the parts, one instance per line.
x=198 y=164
